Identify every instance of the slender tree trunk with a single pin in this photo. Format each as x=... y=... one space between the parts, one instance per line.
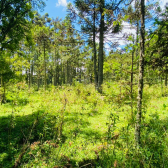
x=38 y=73
x=55 y=69
x=100 y=56
x=1 y=80
x=45 y=83
x=166 y=77
x=70 y=72
x=1 y=95
x=63 y=73
x=80 y=75
x=141 y=71
x=132 y=72
x=94 y=51
x=161 y=80
x=67 y=72
x=4 y=91
x=137 y=40
x=29 y=74
x=4 y=95
x=57 y=72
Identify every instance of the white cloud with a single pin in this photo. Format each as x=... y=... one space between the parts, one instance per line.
x=120 y=38
x=61 y=3
x=162 y=3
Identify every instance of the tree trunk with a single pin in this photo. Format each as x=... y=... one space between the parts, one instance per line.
x=166 y=77
x=57 y=74
x=161 y=80
x=141 y=71
x=31 y=75
x=45 y=84
x=38 y=72
x=132 y=67
x=94 y=51
x=100 y=56
x=63 y=73
x=4 y=91
x=55 y=69
x=137 y=40
x=1 y=94
x=68 y=72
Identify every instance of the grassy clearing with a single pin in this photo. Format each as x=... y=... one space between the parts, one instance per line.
x=75 y=126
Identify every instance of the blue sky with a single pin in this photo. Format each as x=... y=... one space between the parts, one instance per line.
x=56 y=8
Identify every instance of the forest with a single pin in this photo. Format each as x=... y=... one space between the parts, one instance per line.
x=78 y=92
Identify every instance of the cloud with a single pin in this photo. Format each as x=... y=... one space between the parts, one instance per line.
x=120 y=38
x=61 y=3
x=162 y=3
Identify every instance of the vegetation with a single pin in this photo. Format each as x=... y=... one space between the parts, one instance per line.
x=75 y=126
x=68 y=102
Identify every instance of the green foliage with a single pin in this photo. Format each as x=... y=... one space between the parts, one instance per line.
x=13 y=22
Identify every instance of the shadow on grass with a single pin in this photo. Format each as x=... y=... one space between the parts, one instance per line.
x=80 y=126
x=91 y=134
x=18 y=130
x=153 y=151
x=20 y=101
x=154 y=144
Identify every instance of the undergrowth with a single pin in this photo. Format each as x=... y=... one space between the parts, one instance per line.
x=75 y=126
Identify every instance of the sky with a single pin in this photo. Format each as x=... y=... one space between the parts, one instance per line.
x=57 y=8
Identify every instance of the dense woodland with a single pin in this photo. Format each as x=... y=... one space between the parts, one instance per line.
x=71 y=96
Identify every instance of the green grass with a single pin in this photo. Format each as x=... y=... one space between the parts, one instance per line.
x=75 y=126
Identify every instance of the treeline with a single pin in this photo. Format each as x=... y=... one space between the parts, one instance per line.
x=44 y=51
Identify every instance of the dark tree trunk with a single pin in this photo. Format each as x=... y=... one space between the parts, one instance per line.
x=45 y=83
x=68 y=73
x=3 y=101
x=161 y=80
x=63 y=73
x=137 y=41
x=57 y=74
x=94 y=51
x=166 y=77
x=29 y=74
x=38 y=72
x=132 y=75
x=100 y=56
x=55 y=69
x=141 y=71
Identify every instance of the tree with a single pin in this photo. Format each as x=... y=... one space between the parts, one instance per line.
x=6 y=74
x=43 y=37
x=141 y=72
x=88 y=17
x=14 y=23
x=98 y=16
x=158 y=46
x=13 y=20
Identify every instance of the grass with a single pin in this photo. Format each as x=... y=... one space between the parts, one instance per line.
x=74 y=126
